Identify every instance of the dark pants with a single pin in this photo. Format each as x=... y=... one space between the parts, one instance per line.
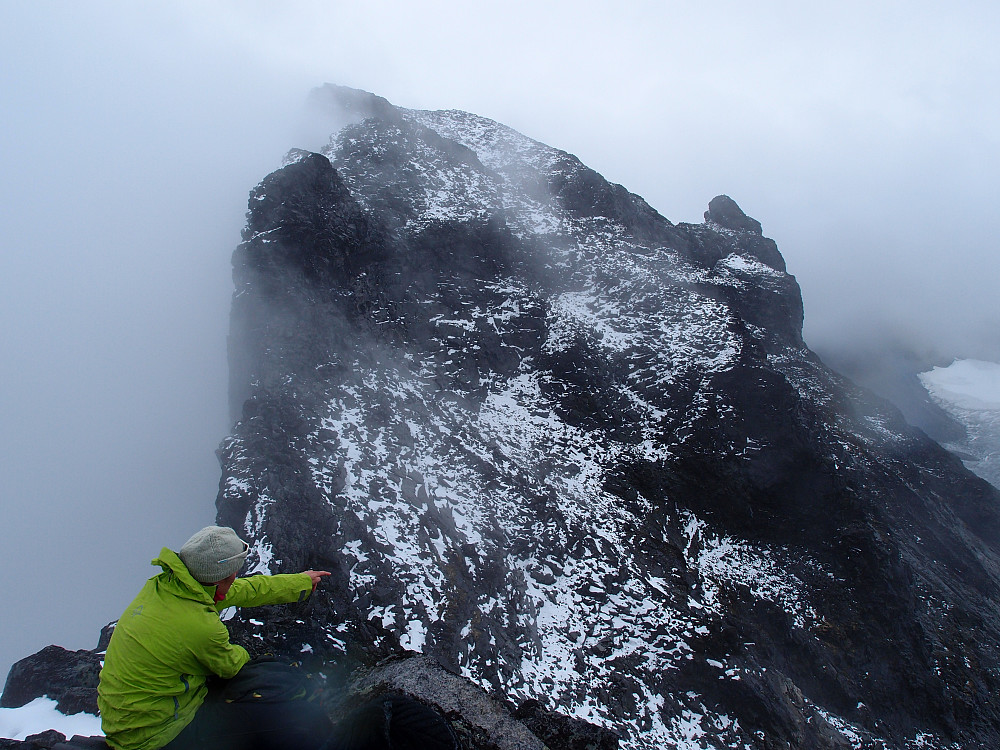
x=288 y=725
x=393 y=722
x=389 y=722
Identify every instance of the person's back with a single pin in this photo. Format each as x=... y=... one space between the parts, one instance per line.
x=170 y=640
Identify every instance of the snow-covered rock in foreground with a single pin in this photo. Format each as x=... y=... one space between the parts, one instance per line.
x=969 y=390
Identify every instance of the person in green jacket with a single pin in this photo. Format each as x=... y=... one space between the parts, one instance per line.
x=170 y=641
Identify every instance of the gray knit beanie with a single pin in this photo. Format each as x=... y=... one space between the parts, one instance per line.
x=214 y=553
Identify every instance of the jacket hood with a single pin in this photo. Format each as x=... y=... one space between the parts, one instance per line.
x=178 y=579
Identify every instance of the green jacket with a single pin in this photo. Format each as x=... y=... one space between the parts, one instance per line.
x=166 y=645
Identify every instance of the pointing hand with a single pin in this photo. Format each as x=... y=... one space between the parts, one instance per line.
x=316 y=576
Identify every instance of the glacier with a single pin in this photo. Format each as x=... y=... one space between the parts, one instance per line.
x=969 y=390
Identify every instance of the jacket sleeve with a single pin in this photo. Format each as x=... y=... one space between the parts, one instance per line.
x=255 y=591
x=220 y=656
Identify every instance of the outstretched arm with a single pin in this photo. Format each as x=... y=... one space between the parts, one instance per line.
x=284 y=588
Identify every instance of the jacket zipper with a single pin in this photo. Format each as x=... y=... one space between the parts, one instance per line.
x=177 y=704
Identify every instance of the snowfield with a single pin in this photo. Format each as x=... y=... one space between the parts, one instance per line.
x=41 y=714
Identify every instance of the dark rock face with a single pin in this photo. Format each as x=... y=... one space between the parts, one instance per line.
x=581 y=456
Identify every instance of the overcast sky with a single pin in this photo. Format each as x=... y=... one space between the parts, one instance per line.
x=863 y=136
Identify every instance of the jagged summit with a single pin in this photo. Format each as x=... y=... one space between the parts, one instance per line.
x=581 y=456
x=724 y=211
